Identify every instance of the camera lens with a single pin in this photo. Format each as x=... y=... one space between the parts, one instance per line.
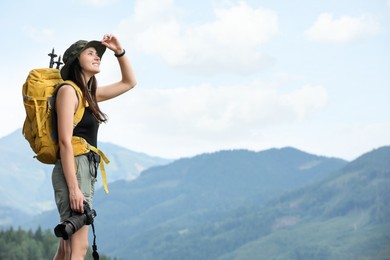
x=74 y=223
x=70 y=226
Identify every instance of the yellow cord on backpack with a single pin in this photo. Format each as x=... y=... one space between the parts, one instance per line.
x=102 y=169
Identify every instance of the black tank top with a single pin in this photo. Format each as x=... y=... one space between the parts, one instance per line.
x=87 y=128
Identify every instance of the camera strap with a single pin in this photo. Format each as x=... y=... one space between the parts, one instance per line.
x=94 y=160
x=95 y=254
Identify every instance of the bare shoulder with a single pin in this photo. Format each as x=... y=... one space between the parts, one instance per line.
x=66 y=98
x=66 y=91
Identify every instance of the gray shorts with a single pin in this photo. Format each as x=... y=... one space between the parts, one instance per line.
x=86 y=177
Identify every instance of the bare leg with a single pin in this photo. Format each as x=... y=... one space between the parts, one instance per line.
x=63 y=250
x=79 y=243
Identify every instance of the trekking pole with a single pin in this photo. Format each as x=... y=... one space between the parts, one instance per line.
x=52 y=56
x=58 y=62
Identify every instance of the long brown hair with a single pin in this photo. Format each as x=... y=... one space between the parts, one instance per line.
x=89 y=95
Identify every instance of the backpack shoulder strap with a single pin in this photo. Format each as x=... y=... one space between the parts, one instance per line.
x=81 y=107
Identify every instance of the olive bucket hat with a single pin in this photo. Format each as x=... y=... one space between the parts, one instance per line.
x=73 y=52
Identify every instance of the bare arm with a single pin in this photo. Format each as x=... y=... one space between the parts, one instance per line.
x=128 y=80
x=66 y=105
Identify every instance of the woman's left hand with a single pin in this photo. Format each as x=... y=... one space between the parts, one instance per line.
x=112 y=42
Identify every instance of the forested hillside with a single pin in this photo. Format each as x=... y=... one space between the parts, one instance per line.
x=182 y=210
x=273 y=204
x=39 y=245
x=346 y=215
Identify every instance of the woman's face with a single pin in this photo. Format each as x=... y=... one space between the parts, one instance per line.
x=90 y=61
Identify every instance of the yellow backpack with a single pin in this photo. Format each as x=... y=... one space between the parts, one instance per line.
x=38 y=127
x=38 y=100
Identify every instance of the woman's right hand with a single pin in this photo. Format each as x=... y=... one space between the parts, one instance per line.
x=76 y=199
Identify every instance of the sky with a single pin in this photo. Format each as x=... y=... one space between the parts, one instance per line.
x=219 y=74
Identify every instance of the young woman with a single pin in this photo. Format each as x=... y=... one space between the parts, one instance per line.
x=74 y=176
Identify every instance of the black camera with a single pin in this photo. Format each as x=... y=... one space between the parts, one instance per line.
x=75 y=222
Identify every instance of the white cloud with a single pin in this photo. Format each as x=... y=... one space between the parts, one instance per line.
x=98 y=3
x=148 y=12
x=388 y=3
x=345 y=29
x=40 y=35
x=306 y=99
x=176 y=121
x=230 y=42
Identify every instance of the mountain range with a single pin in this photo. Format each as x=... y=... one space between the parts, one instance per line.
x=239 y=204
x=274 y=204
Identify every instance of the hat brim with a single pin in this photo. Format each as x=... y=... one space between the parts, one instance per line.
x=99 y=47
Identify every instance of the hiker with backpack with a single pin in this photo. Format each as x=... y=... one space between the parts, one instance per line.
x=75 y=171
